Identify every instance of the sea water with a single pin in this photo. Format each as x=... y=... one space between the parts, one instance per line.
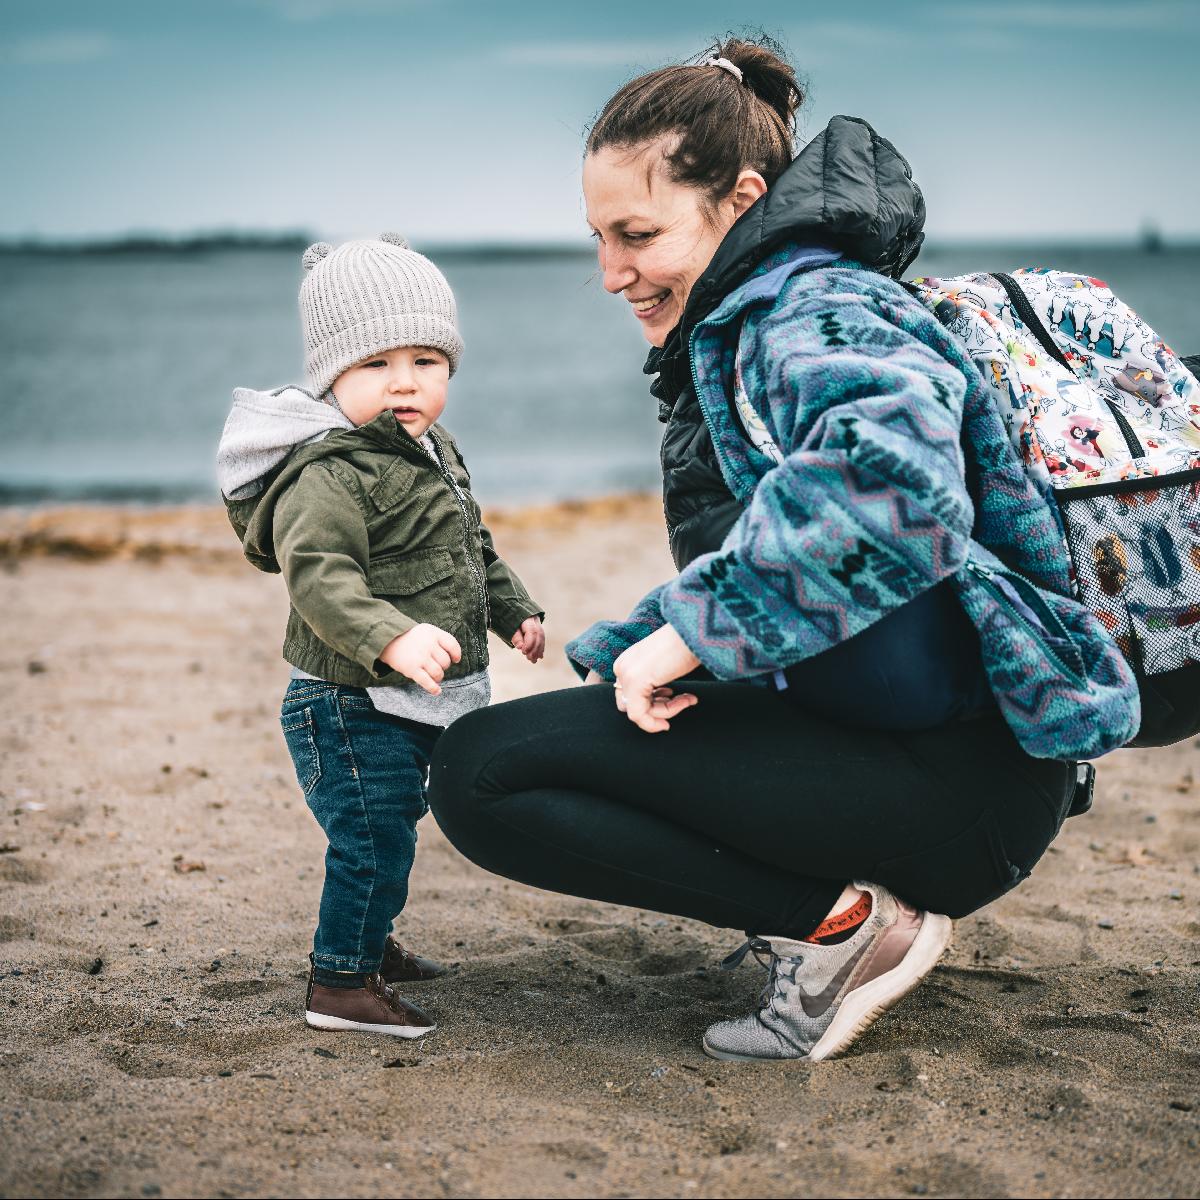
x=116 y=369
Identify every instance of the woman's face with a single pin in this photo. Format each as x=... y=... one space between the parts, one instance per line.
x=654 y=236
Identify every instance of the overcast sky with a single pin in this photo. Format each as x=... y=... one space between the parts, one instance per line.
x=461 y=120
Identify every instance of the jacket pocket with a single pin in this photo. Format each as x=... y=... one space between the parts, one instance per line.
x=1060 y=679
x=394 y=484
x=302 y=745
x=406 y=574
x=957 y=876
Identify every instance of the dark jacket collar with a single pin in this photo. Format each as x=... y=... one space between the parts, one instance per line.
x=848 y=188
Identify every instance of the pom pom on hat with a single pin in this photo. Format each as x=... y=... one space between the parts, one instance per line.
x=394 y=239
x=314 y=254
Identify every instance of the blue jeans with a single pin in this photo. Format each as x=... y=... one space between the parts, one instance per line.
x=363 y=774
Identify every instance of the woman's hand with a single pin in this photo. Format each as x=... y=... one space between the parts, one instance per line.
x=530 y=639
x=642 y=674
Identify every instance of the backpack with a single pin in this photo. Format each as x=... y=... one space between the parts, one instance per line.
x=1106 y=420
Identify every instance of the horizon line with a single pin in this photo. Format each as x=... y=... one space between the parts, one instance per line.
x=1148 y=238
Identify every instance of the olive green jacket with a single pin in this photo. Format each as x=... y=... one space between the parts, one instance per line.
x=373 y=538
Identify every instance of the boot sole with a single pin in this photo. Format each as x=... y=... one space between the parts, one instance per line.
x=321 y=1021
x=865 y=1005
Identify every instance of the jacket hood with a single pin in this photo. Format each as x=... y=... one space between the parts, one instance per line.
x=848 y=189
x=262 y=429
x=263 y=454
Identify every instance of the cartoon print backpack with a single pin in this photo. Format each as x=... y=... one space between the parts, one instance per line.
x=1106 y=419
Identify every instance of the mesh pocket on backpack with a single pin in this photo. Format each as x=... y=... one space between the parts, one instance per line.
x=1136 y=548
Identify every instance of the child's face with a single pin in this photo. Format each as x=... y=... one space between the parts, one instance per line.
x=410 y=381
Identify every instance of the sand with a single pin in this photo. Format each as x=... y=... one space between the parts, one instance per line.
x=159 y=877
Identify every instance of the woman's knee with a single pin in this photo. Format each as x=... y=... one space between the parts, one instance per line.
x=455 y=764
x=457 y=790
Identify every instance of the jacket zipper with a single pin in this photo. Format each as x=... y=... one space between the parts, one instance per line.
x=988 y=578
x=480 y=587
x=696 y=388
x=1033 y=323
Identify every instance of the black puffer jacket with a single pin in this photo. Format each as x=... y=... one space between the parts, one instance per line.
x=849 y=189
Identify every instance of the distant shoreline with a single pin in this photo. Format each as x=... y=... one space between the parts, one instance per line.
x=292 y=241
x=295 y=241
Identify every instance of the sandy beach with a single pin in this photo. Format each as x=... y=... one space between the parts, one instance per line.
x=159 y=876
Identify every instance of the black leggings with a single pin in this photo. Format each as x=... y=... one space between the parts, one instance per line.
x=749 y=813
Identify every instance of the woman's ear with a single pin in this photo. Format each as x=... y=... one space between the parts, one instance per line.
x=747 y=188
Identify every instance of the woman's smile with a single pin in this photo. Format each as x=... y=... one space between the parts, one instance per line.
x=650 y=306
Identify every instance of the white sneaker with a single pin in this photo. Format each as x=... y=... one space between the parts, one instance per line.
x=819 y=999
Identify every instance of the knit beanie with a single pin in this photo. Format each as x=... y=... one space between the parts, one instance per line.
x=369 y=296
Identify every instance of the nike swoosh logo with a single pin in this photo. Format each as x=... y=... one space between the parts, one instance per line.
x=817 y=1005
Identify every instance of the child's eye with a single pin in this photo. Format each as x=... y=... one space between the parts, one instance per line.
x=375 y=362
x=427 y=360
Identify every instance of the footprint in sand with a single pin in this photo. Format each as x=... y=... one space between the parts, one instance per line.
x=14 y=869
x=635 y=953
x=28 y=1077
x=237 y=989
x=14 y=928
x=576 y=1152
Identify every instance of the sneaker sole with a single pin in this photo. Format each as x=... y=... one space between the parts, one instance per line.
x=865 y=1005
x=321 y=1021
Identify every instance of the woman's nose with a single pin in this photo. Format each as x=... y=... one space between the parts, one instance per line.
x=617 y=271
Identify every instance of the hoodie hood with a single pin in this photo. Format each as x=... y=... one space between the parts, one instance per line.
x=262 y=429
x=848 y=189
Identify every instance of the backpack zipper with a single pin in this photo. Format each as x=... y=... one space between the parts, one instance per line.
x=1033 y=323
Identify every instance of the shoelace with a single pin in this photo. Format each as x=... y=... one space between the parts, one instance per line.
x=384 y=990
x=758 y=947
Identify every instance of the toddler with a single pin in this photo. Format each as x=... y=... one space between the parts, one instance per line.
x=362 y=501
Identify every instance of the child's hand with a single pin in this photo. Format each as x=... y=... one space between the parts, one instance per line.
x=530 y=639
x=422 y=654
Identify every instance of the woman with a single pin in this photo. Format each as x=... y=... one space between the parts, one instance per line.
x=874 y=692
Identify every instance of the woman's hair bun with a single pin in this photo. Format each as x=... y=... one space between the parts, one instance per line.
x=767 y=73
x=394 y=239
x=718 y=125
x=314 y=254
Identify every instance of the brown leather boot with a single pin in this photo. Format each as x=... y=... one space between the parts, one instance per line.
x=403 y=966
x=373 y=1008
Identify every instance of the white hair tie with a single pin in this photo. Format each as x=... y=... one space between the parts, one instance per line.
x=725 y=65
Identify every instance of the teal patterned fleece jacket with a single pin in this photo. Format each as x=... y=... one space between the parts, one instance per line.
x=874 y=404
